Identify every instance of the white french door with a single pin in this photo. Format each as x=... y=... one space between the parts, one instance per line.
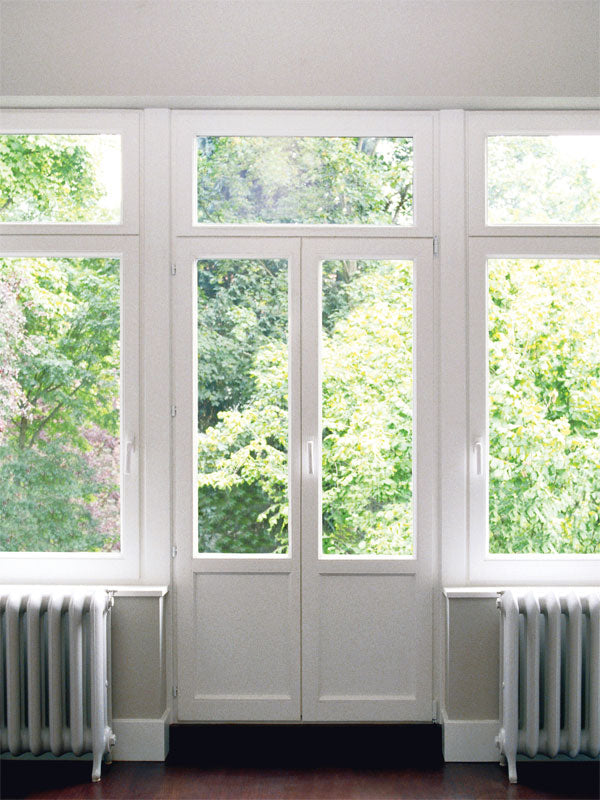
x=332 y=619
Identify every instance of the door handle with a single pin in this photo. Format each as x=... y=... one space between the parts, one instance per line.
x=129 y=451
x=478 y=452
x=310 y=457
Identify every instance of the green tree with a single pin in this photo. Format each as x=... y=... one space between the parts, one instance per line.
x=544 y=406
x=531 y=179
x=367 y=440
x=304 y=179
x=68 y=377
x=47 y=178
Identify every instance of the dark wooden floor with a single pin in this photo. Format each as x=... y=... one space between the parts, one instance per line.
x=128 y=781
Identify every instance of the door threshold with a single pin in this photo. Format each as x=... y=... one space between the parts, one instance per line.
x=297 y=744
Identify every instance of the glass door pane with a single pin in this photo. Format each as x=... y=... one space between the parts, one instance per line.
x=242 y=330
x=367 y=388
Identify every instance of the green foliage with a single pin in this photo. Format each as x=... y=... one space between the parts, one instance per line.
x=45 y=496
x=312 y=180
x=531 y=179
x=48 y=178
x=58 y=454
x=367 y=439
x=544 y=406
x=240 y=310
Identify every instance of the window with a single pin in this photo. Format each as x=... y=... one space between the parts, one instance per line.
x=534 y=360
x=60 y=451
x=69 y=382
x=72 y=172
x=347 y=169
x=61 y=178
x=301 y=179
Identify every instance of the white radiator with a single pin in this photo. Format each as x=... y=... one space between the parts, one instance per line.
x=550 y=674
x=54 y=672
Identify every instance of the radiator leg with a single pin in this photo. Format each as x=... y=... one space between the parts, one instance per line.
x=512 y=769
x=96 y=767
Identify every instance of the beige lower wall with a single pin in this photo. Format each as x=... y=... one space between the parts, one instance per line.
x=472 y=672
x=138 y=658
x=139 y=676
x=473 y=659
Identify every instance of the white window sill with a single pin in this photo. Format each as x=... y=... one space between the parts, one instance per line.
x=119 y=591
x=482 y=592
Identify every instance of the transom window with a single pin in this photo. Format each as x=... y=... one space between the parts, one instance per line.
x=309 y=180
x=60 y=178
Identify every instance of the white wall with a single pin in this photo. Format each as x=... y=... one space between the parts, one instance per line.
x=369 y=52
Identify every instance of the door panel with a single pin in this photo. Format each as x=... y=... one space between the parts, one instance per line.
x=245 y=645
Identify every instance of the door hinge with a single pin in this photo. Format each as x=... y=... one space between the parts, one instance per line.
x=174 y=551
x=434 y=711
x=436 y=245
x=173 y=411
x=175 y=691
x=173 y=269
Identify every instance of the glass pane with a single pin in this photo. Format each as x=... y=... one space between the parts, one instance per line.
x=312 y=180
x=60 y=178
x=367 y=336
x=59 y=404
x=544 y=406
x=543 y=180
x=243 y=406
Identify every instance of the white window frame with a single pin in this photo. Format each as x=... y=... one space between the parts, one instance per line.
x=483 y=566
x=50 y=567
x=480 y=125
x=124 y=123
x=187 y=125
x=510 y=241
